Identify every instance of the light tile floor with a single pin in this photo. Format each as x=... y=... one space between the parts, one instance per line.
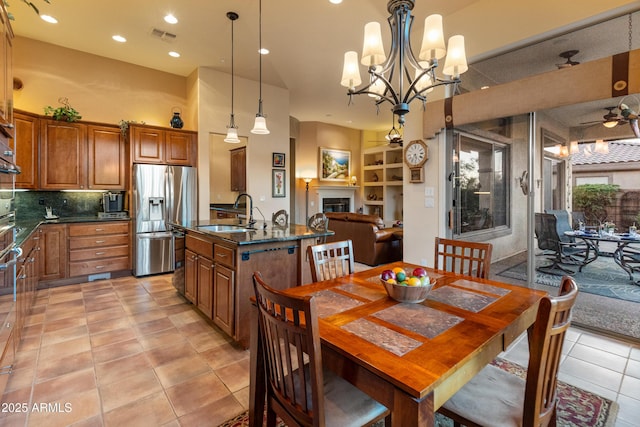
x=131 y=352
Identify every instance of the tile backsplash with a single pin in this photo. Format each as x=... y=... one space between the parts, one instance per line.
x=63 y=203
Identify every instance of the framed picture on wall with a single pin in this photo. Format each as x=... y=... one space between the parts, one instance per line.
x=278 y=180
x=278 y=160
x=334 y=165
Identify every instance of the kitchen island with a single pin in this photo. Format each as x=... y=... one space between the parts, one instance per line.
x=220 y=257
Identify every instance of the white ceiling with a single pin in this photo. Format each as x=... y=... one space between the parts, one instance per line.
x=307 y=40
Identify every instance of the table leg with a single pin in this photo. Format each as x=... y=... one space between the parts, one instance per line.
x=408 y=411
x=257 y=384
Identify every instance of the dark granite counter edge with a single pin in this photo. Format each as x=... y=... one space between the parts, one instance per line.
x=271 y=233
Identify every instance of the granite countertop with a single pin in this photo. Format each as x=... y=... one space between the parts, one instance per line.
x=272 y=232
x=25 y=227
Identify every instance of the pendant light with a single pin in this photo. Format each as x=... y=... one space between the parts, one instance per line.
x=232 y=129
x=260 y=126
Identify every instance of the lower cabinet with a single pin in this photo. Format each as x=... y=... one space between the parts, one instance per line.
x=98 y=248
x=53 y=243
x=210 y=279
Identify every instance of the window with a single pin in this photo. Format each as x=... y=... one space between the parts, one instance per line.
x=482 y=185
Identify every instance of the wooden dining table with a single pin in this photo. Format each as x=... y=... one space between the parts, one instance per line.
x=409 y=357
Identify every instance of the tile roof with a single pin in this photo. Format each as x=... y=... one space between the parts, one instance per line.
x=619 y=152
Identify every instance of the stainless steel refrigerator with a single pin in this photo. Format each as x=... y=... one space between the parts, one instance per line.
x=162 y=196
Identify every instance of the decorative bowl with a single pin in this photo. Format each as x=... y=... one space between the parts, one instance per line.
x=410 y=294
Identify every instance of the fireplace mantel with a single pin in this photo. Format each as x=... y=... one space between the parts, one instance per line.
x=335 y=191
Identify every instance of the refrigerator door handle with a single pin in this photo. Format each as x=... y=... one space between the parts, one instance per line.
x=168 y=190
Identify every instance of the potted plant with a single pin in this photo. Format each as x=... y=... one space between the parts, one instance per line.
x=66 y=112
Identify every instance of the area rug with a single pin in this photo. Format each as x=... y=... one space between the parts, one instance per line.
x=576 y=407
x=602 y=277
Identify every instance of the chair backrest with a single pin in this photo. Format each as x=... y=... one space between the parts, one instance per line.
x=330 y=260
x=563 y=223
x=459 y=256
x=288 y=330
x=546 y=337
x=280 y=218
x=318 y=222
x=546 y=231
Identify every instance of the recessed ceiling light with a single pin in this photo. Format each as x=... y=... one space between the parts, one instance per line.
x=174 y=54
x=263 y=51
x=335 y=1
x=170 y=19
x=119 y=38
x=49 y=19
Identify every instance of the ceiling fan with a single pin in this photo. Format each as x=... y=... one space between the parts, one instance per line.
x=609 y=120
x=570 y=62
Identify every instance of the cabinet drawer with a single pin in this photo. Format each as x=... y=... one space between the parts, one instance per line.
x=200 y=245
x=81 y=268
x=99 y=228
x=98 y=253
x=224 y=255
x=98 y=241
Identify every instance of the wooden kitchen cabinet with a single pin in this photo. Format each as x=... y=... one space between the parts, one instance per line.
x=107 y=160
x=93 y=156
x=199 y=267
x=98 y=248
x=26 y=281
x=205 y=288
x=53 y=251
x=223 y=298
x=239 y=169
x=6 y=74
x=157 y=145
x=63 y=156
x=25 y=146
x=191 y=276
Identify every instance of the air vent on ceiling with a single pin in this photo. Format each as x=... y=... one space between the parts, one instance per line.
x=163 y=35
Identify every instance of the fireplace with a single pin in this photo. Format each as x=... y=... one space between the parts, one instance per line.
x=335 y=198
x=336 y=204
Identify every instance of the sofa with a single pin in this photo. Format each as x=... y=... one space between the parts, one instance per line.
x=373 y=244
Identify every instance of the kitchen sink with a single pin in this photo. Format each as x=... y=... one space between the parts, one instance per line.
x=223 y=228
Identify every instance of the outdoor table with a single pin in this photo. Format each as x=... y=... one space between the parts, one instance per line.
x=409 y=357
x=622 y=240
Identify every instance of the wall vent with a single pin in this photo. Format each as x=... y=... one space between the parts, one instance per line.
x=163 y=35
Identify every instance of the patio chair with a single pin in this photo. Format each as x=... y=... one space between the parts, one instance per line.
x=299 y=390
x=560 y=252
x=497 y=398
x=462 y=257
x=330 y=260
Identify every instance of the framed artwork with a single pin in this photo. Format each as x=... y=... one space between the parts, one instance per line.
x=334 y=165
x=278 y=180
x=278 y=160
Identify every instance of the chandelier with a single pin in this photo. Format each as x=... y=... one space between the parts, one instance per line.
x=414 y=77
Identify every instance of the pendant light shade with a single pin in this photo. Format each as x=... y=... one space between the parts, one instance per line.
x=260 y=125
x=232 y=129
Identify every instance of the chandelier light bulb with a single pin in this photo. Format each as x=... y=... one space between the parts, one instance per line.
x=350 y=71
x=456 y=61
x=433 y=39
x=372 y=48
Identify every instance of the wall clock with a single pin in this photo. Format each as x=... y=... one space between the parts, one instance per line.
x=415 y=156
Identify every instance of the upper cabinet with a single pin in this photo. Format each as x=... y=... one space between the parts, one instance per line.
x=106 y=158
x=6 y=74
x=57 y=155
x=63 y=163
x=163 y=146
x=239 y=169
x=25 y=147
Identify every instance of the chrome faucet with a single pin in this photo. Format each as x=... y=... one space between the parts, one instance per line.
x=252 y=221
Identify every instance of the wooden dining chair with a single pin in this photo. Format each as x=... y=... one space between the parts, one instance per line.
x=495 y=397
x=299 y=390
x=462 y=257
x=330 y=260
